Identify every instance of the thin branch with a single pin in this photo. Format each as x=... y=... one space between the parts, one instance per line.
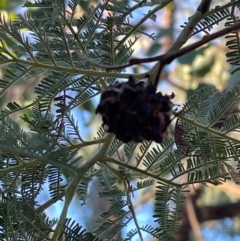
x=135 y=28
x=131 y=207
x=64 y=38
x=144 y=173
x=81 y=171
x=169 y=57
x=193 y=219
x=37 y=159
x=70 y=192
x=14 y=81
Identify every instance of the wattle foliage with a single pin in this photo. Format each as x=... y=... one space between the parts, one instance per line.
x=67 y=50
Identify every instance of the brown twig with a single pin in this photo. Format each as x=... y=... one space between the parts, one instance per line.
x=169 y=57
x=193 y=219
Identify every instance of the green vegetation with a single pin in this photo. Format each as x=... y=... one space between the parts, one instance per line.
x=60 y=56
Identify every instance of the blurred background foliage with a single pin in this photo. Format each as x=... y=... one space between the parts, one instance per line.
x=206 y=65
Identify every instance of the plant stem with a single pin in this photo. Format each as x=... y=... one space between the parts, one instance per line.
x=81 y=171
x=169 y=57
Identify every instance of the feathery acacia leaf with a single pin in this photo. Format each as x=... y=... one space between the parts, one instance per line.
x=61 y=52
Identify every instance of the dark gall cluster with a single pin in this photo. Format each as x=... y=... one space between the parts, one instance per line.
x=135 y=112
